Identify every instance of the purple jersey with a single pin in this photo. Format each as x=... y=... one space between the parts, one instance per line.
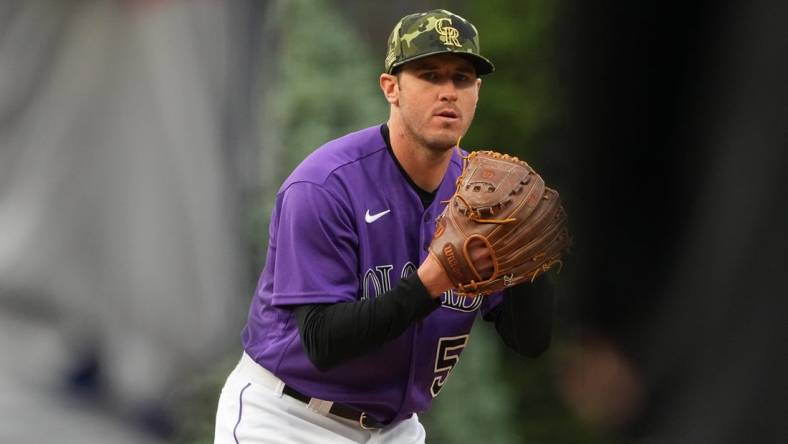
x=346 y=226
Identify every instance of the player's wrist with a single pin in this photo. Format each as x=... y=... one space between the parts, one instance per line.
x=434 y=277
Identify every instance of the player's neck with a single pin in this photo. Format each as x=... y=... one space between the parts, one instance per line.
x=424 y=166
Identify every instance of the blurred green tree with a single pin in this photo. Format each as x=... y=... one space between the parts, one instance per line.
x=520 y=103
x=327 y=82
x=326 y=86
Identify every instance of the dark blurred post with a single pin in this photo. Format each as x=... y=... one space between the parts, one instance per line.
x=677 y=142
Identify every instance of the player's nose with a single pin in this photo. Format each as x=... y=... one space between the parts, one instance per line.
x=447 y=92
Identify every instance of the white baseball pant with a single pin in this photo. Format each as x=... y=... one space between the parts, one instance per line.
x=253 y=410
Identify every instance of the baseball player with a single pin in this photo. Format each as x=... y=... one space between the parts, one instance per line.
x=354 y=327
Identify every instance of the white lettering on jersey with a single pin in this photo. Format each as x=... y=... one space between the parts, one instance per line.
x=370 y=278
x=461 y=303
x=378 y=281
x=385 y=276
x=408 y=269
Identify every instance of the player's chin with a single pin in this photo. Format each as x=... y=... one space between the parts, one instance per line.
x=445 y=138
x=442 y=144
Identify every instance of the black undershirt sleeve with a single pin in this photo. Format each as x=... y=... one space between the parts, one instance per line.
x=524 y=319
x=336 y=333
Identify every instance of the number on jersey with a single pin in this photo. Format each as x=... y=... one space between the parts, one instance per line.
x=447 y=356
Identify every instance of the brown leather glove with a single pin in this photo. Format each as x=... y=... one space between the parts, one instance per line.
x=503 y=205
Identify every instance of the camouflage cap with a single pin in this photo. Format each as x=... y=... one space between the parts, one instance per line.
x=434 y=32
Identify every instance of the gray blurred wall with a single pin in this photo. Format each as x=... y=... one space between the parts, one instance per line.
x=127 y=157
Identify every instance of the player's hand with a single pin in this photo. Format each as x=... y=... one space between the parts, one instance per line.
x=435 y=279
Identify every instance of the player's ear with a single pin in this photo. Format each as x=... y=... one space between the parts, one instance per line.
x=390 y=87
x=478 y=85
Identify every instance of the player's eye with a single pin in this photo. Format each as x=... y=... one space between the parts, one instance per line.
x=429 y=76
x=462 y=80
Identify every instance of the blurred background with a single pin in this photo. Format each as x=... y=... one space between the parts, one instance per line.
x=142 y=142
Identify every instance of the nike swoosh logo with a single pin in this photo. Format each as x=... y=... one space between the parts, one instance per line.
x=369 y=218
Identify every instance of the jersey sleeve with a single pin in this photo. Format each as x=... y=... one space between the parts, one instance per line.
x=315 y=245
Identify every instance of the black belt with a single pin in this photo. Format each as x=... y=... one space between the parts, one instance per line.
x=340 y=410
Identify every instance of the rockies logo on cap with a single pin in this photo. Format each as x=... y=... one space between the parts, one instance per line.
x=448 y=34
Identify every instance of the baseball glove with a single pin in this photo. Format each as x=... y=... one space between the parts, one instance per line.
x=503 y=204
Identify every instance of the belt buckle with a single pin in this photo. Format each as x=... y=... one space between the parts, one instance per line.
x=362 y=419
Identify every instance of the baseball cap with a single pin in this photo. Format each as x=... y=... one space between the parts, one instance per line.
x=434 y=32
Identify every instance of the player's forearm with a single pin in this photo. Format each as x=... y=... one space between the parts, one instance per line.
x=335 y=333
x=524 y=320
